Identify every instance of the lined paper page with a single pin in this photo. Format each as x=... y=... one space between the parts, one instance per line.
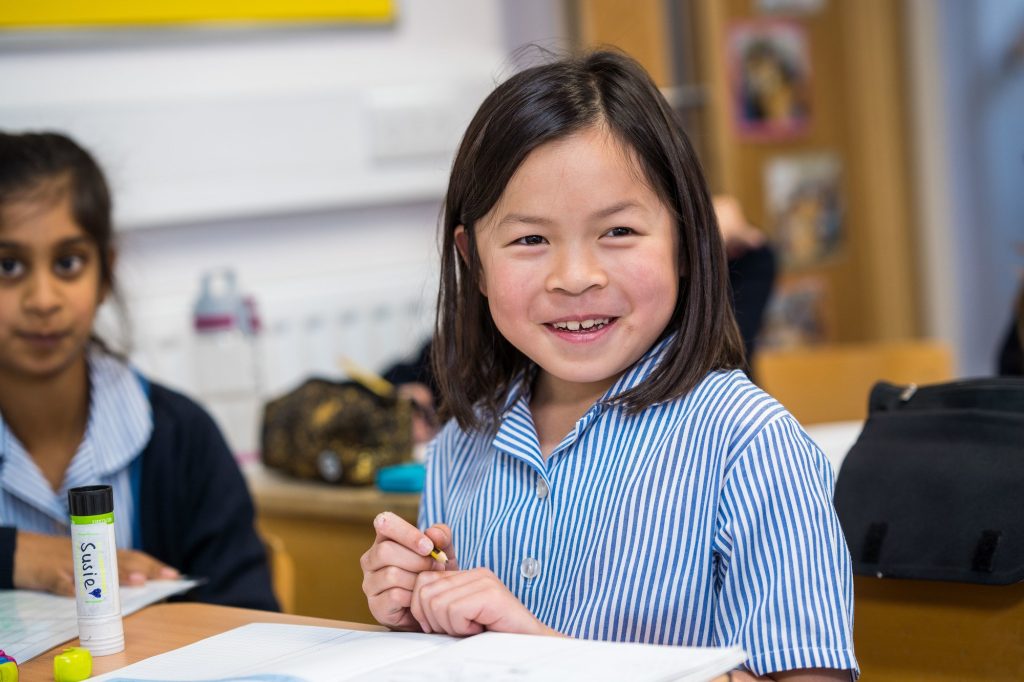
x=33 y=622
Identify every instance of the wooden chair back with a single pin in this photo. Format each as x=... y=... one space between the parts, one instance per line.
x=831 y=383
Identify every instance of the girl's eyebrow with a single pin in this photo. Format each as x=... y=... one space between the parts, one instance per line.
x=64 y=243
x=74 y=241
x=605 y=212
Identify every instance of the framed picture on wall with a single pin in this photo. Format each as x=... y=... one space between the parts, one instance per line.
x=803 y=195
x=797 y=314
x=770 y=79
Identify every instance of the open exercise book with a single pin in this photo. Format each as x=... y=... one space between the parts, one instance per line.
x=32 y=622
x=264 y=652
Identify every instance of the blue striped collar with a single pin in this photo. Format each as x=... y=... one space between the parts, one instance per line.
x=517 y=434
x=119 y=426
x=631 y=378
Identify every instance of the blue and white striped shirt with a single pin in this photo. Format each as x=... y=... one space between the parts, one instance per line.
x=706 y=520
x=119 y=427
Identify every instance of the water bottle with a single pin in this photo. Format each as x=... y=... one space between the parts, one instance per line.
x=227 y=359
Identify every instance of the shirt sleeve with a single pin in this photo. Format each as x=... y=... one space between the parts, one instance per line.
x=432 y=508
x=784 y=578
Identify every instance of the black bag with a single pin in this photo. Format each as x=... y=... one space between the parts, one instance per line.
x=933 y=489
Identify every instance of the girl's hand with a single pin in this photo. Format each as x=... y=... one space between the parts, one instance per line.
x=43 y=562
x=469 y=602
x=399 y=554
x=135 y=568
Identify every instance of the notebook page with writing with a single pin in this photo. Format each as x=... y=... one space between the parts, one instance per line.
x=32 y=622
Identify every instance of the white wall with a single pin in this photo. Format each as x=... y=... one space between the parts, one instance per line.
x=311 y=160
x=968 y=132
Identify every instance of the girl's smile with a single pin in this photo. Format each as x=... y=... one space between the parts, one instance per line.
x=584 y=329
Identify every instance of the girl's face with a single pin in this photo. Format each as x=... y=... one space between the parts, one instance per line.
x=50 y=288
x=579 y=263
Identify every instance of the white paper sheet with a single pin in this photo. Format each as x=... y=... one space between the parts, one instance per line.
x=264 y=652
x=33 y=622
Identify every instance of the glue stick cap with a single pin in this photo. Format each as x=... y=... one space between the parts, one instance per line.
x=91 y=500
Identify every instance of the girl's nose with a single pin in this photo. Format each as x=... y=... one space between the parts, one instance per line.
x=42 y=296
x=576 y=270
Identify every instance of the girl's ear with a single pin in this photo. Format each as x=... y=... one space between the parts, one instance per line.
x=462 y=244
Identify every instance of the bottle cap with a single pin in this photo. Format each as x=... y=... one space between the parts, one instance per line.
x=74 y=664
x=91 y=500
x=103 y=636
x=219 y=307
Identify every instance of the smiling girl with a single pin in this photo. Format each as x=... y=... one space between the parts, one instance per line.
x=608 y=472
x=73 y=414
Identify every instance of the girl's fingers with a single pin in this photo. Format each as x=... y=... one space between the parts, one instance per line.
x=448 y=605
x=392 y=527
x=418 y=607
x=390 y=553
x=389 y=577
x=391 y=608
x=135 y=568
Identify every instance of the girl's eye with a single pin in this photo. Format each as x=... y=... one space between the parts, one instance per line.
x=11 y=268
x=530 y=240
x=620 y=232
x=68 y=266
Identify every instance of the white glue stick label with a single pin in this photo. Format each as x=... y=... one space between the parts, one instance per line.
x=96 y=584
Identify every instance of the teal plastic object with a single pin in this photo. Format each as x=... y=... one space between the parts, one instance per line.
x=402 y=478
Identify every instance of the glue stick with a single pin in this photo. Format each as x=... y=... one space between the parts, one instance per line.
x=96 y=584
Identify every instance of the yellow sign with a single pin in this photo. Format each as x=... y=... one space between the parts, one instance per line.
x=78 y=13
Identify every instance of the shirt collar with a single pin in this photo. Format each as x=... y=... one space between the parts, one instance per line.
x=120 y=425
x=516 y=434
x=634 y=376
x=639 y=372
x=120 y=416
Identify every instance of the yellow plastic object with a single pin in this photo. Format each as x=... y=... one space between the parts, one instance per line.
x=74 y=664
x=71 y=13
x=8 y=671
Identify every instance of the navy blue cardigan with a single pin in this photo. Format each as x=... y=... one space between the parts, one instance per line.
x=195 y=513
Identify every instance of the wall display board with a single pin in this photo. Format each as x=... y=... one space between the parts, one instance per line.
x=100 y=13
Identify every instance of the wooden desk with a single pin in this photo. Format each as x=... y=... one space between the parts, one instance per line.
x=921 y=631
x=325 y=529
x=160 y=628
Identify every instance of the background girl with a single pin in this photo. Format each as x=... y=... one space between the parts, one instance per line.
x=73 y=414
x=608 y=472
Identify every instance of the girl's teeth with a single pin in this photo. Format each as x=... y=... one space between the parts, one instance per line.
x=576 y=325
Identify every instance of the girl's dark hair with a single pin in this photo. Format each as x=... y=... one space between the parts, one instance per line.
x=47 y=166
x=473 y=363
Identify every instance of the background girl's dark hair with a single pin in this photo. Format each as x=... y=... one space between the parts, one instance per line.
x=473 y=363
x=47 y=166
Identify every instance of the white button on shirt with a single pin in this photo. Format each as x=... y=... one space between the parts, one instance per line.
x=706 y=520
x=530 y=568
x=541 y=488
